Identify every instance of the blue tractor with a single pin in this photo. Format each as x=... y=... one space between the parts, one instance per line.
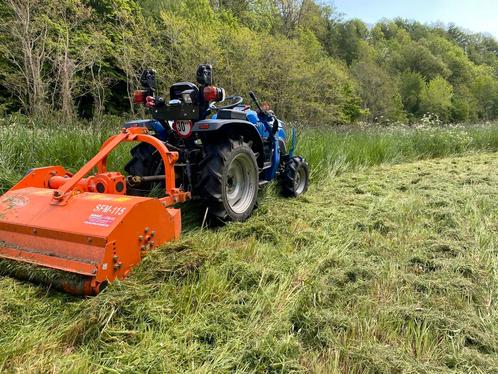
x=227 y=151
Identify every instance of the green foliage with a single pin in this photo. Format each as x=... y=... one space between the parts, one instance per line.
x=436 y=98
x=346 y=40
x=411 y=86
x=313 y=66
x=485 y=90
x=417 y=57
x=379 y=94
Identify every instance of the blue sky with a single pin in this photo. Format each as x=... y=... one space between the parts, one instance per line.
x=477 y=16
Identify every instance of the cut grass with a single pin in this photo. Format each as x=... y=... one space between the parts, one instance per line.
x=391 y=269
x=387 y=269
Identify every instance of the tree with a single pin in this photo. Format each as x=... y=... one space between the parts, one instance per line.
x=379 y=93
x=462 y=109
x=291 y=12
x=71 y=50
x=436 y=98
x=418 y=58
x=236 y=6
x=347 y=39
x=411 y=86
x=83 y=57
x=25 y=48
x=132 y=51
x=485 y=90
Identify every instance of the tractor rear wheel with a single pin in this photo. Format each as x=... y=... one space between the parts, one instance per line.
x=146 y=161
x=295 y=178
x=229 y=181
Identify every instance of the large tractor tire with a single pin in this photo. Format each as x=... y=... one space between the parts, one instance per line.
x=229 y=180
x=295 y=178
x=145 y=161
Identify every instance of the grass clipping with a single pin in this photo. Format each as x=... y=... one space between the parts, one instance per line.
x=392 y=269
x=51 y=278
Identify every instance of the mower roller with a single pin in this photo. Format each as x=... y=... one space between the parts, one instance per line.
x=97 y=228
x=88 y=226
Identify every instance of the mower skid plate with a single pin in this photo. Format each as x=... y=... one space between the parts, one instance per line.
x=99 y=237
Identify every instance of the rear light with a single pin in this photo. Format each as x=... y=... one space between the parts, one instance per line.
x=139 y=96
x=204 y=126
x=150 y=102
x=212 y=93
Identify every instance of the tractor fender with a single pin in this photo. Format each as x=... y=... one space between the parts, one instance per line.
x=235 y=128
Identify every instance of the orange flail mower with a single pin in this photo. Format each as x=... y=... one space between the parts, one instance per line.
x=93 y=229
x=88 y=226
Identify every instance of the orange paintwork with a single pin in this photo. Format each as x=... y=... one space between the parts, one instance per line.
x=57 y=220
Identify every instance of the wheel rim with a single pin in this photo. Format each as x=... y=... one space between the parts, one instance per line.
x=300 y=181
x=240 y=183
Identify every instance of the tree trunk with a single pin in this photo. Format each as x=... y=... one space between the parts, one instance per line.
x=66 y=69
x=30 y=37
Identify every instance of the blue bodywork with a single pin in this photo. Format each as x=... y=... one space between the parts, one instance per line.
x=151 y=124
x=263 y=124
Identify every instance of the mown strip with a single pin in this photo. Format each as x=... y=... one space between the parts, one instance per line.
x=391 y=269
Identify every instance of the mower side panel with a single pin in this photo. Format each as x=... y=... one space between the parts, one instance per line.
x=97 y=236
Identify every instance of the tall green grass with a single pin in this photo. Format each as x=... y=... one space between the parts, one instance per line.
x=336 y=151
x=27 y=143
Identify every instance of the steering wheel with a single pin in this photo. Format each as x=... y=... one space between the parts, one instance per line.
x=236 y=101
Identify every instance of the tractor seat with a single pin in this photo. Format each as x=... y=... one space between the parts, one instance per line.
x=231 y=114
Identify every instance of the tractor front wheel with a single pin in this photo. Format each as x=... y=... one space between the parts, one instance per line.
x=229 y=181
x=295 y=177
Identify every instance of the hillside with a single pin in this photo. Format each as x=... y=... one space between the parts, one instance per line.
x=82 y=58
x=389 y=269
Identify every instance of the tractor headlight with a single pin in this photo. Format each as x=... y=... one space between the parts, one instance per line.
x=187 y=99
x=189 y=96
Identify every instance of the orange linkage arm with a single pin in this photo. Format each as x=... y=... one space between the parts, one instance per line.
x=138 y=134
x=61 y=192
x=169 y=158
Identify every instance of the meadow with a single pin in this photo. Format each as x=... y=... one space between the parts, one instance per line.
x=26 y=143
x=387 y=264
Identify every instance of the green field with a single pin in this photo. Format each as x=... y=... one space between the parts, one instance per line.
x=388 y=264
x=25 y=143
